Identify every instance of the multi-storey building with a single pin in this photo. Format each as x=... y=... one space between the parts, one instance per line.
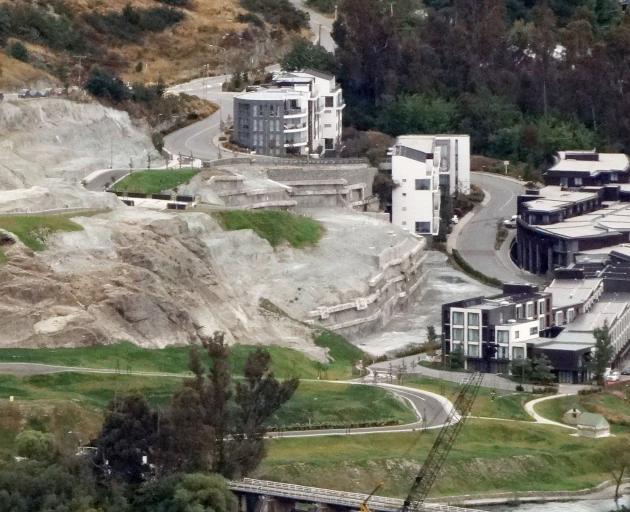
x=423 y=168
x=299 y=113
x=588 y=168
x=493 y=331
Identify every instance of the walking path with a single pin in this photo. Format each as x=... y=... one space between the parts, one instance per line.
x=530 y=409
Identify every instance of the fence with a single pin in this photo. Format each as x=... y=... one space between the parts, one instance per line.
x=264 y=160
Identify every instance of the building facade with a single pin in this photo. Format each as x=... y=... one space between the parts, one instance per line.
x=423 y=168
x=299 y=113
x=588 y=168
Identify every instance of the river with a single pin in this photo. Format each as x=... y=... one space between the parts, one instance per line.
x=595 y=505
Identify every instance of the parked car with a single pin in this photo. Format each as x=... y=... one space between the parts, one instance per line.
x=614 y=376
x=626 y=371
x=511 y=222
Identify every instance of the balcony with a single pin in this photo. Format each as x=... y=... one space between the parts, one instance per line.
x=295 y=144
x=293 y=113
x=294 y=127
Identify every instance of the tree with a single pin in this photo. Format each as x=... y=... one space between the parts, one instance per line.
x=617 y=460
x=18 y=51
x=102 y=84
x=432 y=337
x=541 y=370
x=126 y=443
x=603 y=353
x=417 y=113
x=258 y=397
x=35 y=445
x=305 y=54
x=521 y=369
x=457 y=358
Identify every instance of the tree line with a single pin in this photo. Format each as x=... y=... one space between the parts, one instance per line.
x=145 y=459
x=525 y=78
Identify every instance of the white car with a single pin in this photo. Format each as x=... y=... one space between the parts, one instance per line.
x=614 y=376
x=511 y=222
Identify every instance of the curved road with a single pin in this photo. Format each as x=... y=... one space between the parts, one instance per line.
x=199 y=139
x=476 y=241
x=431 y=410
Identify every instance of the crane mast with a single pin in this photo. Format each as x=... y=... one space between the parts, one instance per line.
x=442 y=446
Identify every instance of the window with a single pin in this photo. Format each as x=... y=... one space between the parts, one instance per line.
x=330 y=101
x=542 y=323
x=423 y=184
x=529 y=310
x=473 y=335
x=423 y=227
x=518 y=353
x=404 y=194
x=457 y=334
x=458 y=318
x=541 y=307
x=503 y=336
x=533 y=331
x=501 y=317
x=473 y=350
x=559 y=317
x=473 y=318
x=404 y=222
x=455 y=346
x=519 y=312
x=503 y=352
x=577 y=182
x=404 y=180
x=404 y=208
x=327 y=125
x=517 y=335
x=570 y=315
x=613 y=177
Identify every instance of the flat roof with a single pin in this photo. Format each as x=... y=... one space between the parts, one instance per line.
x=606 y=162
x=552 y=198
x=608 y=308
x=570 y=292
x=272 y=94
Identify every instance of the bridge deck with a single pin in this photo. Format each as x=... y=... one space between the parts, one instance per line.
x=308 y=494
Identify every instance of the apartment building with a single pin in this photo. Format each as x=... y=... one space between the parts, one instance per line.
x=298 y=113
x=492 y=331
x=588 y=168
x=423 y=168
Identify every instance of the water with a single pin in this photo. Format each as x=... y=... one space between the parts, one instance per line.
x=443 y=284
x=598 y=505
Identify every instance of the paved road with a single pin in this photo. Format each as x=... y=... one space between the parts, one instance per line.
x=199 y=138
x=430 y=409
x=476 y=242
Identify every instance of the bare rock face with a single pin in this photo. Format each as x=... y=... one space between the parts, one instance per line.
x=130 y=275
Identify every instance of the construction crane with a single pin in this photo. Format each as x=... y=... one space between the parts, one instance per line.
x=443 y=444
x=364 y=506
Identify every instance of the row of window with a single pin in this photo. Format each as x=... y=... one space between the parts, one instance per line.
x=458 y=318
x=502 y=352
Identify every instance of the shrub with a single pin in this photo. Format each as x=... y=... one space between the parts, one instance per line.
x=251 y=18
x=519 y=388
x=278 y=12
x=18 y=51
x=326 y=6
x=177 y=3
x=102 y=84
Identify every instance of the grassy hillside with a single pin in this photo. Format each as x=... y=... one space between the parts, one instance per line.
x=488 y=456
x=154 y=182
x=32 y=230
x=274 y=226
x=154 y=39
x=127 y=357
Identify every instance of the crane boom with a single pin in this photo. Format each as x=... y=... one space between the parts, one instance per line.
x=444 y=442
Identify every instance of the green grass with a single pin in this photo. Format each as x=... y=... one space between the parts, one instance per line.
x=615 y=409
x=274 y=226
x=33 y=230
x=507 y=405
x=154 y=182
x=487 y=456
x=127 y=357
x=343 y=355
x=323 y=404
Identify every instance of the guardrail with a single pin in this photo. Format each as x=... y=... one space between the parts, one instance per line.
x=329 y=496
x=271 y=161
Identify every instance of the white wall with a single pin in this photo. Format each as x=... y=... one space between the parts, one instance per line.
x=408 y=204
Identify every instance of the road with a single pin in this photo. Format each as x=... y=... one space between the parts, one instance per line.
x=430 y=409
x=199 y=138
x=476 y=242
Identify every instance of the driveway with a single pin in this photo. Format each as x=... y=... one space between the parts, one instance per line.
x=476 y=242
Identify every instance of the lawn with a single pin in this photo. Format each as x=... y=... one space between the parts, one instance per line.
x=503 y=404
x=33 y=230
x=615 y=409
x=274 y=226
x=322 y=404
x=487 y=456
x=154 y=182
x=127 y=357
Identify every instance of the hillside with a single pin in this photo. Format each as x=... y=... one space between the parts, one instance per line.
x=141 y=40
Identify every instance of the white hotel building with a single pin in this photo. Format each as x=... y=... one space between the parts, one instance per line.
x=422 y=166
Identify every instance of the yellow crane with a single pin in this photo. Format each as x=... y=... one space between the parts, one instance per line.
x=364 y=506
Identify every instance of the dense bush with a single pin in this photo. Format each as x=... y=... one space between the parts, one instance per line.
x=18 y=51
x=131 y=22
x=102 y=84
x=51 y=26
x=327 y=6
x=278 y=12
x=305 y=54
x=177 y=3
x=251 y=18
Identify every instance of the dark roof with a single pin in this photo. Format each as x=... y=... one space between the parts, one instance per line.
x=318 y=74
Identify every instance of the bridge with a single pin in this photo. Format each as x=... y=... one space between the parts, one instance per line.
x=266 y=496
